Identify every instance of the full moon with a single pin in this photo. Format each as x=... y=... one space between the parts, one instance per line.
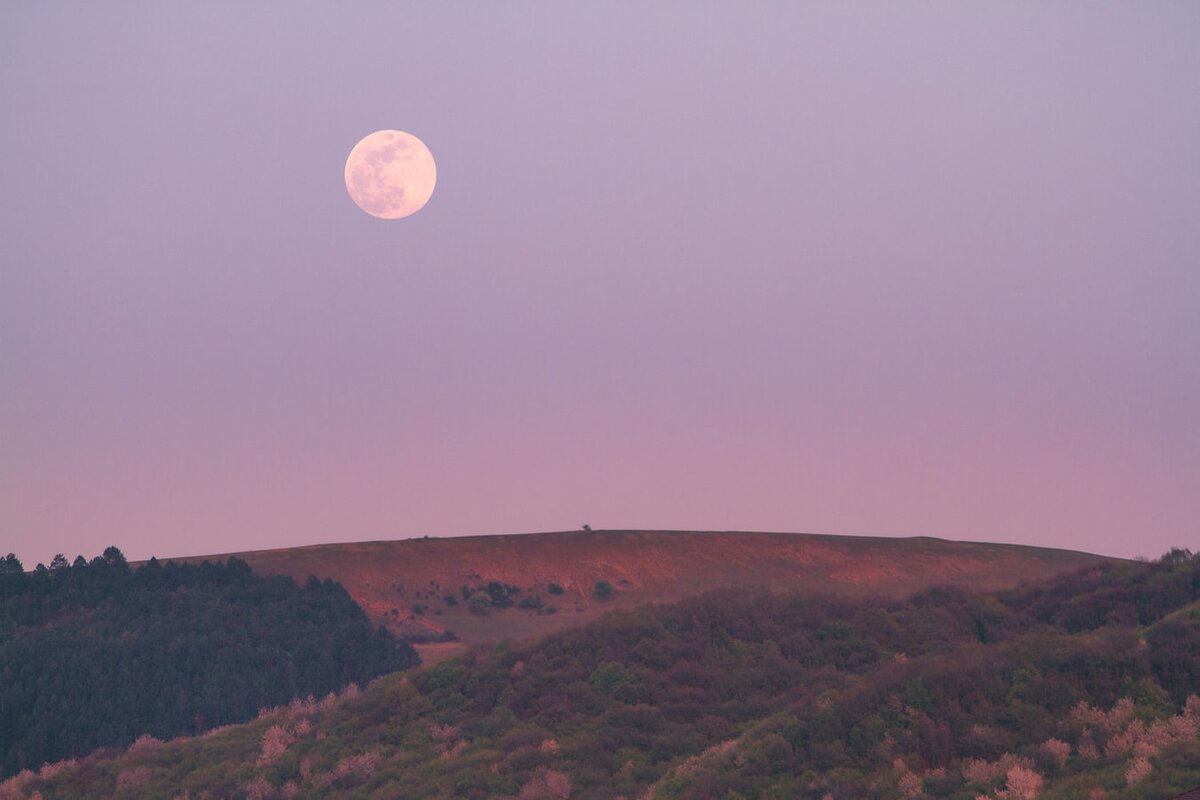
x=390 y=174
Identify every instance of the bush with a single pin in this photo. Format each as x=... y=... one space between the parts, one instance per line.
x=500 y=593
x=480 y=603
x=602 y=590
x=554 y=588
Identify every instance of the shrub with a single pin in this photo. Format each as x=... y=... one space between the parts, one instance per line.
x=480 y=604
x=602 y=590
x=500 y=593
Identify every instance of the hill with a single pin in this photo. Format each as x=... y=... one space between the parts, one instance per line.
x=1077 y=688
x=423 y=587
x=96 y=654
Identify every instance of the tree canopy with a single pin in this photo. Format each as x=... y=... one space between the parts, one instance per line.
x=95 y=654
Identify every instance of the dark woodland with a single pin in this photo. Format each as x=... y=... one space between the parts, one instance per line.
x=94 y=654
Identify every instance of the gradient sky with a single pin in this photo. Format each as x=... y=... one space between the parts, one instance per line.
x=888 y=269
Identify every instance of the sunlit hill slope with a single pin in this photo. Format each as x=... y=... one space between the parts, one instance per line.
x=424 y=586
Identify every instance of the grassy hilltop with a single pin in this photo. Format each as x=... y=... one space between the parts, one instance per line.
x=546 y=582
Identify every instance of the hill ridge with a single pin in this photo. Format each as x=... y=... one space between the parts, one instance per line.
x=652 y=531
x=421 y=586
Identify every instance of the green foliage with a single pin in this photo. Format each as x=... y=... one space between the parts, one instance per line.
x=11 y=565
x=95 y=654
x=493 y=596
x=609 y=677
x=500 y=593
x=602 y=590
x=480 y=603
x=760 y=696
x=554 y=588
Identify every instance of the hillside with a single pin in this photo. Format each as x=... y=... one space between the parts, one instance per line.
x=95 y=654
x=417 y=585
x=1078 y=688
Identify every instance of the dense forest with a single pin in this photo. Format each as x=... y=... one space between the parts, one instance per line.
x=96 y=654
x=1078 y=688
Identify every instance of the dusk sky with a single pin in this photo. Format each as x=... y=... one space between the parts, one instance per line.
x=863 y=268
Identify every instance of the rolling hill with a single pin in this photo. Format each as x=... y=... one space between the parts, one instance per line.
x=1080 y=687
x=422 y=586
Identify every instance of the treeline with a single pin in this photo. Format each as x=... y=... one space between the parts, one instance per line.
x=1076 y=688
x=95 y=653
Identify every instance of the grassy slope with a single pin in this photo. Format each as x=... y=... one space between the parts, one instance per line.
x=644 y=566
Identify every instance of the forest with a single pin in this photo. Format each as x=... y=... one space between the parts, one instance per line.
x=95 y=654
x=1082 y=687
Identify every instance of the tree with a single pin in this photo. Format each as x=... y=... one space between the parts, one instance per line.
x=59 y=562
x=114 y=557
x=1176 y=555
x=546 y=785
x=12 y=574
x=1023 y=784
x=602 y=590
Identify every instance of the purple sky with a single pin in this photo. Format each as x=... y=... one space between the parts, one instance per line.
x=888 y=269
